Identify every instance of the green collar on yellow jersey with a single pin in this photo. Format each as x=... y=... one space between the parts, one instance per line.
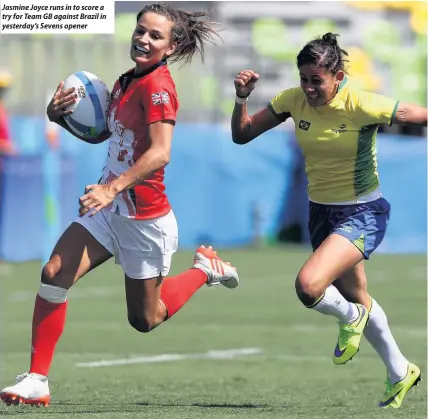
x=343 y=83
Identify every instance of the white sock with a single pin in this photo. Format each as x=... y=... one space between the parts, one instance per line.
x=380 y=337
x=334 y=304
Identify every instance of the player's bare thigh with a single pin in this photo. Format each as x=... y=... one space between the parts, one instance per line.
x=330 y=260
x=75 y=254
x=353 y=285
x=145 y=309
x=144 y=250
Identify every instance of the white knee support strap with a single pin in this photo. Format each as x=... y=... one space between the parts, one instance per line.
x=52 y=294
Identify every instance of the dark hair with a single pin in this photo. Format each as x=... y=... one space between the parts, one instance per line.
x=325 y=52
x=189 y=31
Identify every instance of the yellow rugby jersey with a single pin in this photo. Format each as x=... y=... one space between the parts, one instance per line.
x=338 y=140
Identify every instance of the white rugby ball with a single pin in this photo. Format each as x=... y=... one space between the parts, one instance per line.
x=89 y=117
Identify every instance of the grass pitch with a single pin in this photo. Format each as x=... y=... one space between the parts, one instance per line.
x=288 y=372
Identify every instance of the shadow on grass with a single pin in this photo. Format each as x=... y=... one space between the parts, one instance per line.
x=60 y=408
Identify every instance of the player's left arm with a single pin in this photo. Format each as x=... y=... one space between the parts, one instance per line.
x=410 y=114
x=373 y=108
x=160 y=135
x=97 y=140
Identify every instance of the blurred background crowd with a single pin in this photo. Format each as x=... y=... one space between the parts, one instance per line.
x=240 y=195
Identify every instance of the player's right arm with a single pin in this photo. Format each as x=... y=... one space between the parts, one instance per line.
x=247 y=127
x=56 y=111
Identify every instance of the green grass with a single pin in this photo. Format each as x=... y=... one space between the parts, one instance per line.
x=293 y=377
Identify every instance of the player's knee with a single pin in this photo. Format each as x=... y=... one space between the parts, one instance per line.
x=142 y=324
x=308 y=287
x=54 y=273
x=50 y=272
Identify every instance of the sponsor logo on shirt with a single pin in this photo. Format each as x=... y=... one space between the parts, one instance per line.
x=304 y=125
x=342 y=128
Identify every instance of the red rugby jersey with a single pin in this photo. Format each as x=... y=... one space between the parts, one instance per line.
x=136 y=103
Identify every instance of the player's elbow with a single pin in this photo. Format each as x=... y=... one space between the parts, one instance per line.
x=240 y=138
x=164 y=158
x=237 y=139
x=156 y=158
x=98 y=140
x=243 y=134
x=103 y=137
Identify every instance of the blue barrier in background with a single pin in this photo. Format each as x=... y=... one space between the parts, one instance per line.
x=403 y=176
x=215 y=187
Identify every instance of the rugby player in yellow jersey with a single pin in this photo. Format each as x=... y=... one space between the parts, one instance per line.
x=336 y=128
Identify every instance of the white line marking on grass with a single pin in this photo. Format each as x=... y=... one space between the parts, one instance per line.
x=213 y=354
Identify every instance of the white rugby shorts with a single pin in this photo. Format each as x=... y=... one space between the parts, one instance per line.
x=143 y=248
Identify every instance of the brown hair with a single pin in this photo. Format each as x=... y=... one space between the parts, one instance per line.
x=325 y=52
x=190 y=31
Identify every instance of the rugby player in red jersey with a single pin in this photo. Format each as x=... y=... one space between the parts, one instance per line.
x=127 y=214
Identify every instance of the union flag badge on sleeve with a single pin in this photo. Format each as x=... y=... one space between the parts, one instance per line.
x=161 y=97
